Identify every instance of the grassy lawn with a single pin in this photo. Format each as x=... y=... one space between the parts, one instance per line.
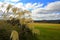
x=44 y=31
x=48 y=31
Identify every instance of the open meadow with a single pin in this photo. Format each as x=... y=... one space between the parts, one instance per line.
x=48 y=31
x=44 y=31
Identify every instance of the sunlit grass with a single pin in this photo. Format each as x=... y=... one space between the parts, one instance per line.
x=44 y=31
x=48 y=31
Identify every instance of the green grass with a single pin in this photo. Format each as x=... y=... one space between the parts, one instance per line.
x=44 y=31
x=48 y=32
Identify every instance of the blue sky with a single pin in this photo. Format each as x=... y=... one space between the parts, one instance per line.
x=45 y=2
x=41 y=9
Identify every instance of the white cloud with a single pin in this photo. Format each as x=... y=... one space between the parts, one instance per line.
x=28 y=6
x=1 y=3
x=19 y=5
x=49 y=12
x=33 y=6
x=53 y=6
x=48 y=16
x=50 y=8
x=22 y=5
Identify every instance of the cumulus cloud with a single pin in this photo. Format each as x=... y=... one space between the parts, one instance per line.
x=53 y=6
x=28 y=6
x=50 y=8
x=49 y=12
x=53 y=16
x=1 y=3
x=33 y=6
x=20 y=5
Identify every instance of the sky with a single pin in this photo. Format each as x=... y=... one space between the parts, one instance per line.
x=41 y=9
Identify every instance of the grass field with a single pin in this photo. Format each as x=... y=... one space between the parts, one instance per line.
x=44 y=31
x=48 y=31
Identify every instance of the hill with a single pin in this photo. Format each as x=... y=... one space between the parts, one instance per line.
x=47 y=21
